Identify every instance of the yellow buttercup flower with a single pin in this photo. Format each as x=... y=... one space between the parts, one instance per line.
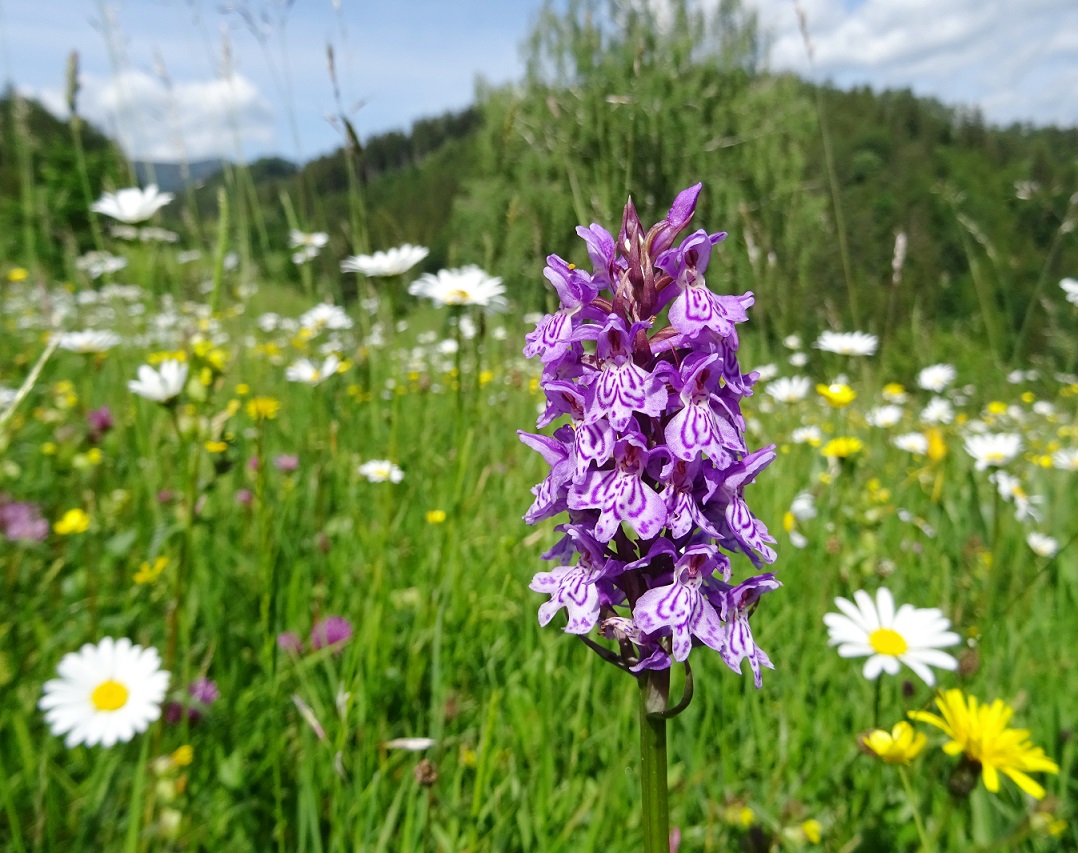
x=216 y=446
x=837 y=396
x=435 y=516
x=980 y=732
x=843 y=447
x=263 y=408
x=812 y=830
x=898 y=746
x=72 y=521
x=17 y=274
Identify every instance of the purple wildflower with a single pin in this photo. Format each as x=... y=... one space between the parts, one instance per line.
x=652 y=465
x=100 y=422
x=289 y=641
x=245 y=497
x=286 y=462
x=204 y=690
x=330 y=631
x=21 y=521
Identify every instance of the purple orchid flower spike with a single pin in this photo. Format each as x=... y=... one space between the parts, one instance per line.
x=648 y=456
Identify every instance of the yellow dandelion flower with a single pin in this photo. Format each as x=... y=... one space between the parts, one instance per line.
x=243 y=389
x=263 y=408
x=72 y=521
x=980 y=732
x=183 y=756
x=996 y=407
x=216 y=446
x=812 y=829
x=898 y=746
x=148 y=574
x=937 y=447
x=843 y=447
x=837 y=396
x=17 y=274
x=485 y=377
x=435 y=516
x=894 y=392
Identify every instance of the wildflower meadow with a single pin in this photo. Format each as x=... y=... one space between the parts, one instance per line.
x=322 y=536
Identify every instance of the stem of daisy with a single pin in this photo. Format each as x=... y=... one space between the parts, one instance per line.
x=922 y=833
x=655 y=817
x=876 y=702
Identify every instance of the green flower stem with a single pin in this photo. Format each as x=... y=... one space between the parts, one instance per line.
x=926 y=845
x=655 y=817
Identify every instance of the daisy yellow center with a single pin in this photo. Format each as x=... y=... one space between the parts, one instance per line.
x=888 y=642
x=109 y=696
x=457 y=297
x=993 y=456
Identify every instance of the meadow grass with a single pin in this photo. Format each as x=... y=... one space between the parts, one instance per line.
x=535 y=737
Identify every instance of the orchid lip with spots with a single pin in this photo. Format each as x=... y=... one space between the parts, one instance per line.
x=640 y=357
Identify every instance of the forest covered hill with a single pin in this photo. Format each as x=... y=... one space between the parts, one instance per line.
x=814 y=184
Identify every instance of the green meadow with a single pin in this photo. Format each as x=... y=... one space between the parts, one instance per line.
x=383 y=495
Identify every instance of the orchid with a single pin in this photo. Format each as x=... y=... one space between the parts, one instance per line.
x=653 y=465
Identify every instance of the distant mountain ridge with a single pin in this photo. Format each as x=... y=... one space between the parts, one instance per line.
x=172 y=177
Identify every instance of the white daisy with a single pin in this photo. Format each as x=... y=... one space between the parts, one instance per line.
x=132 y=205
x=1066 y=459
x=1070 y=287
x=912 y=442
x=381 y=471
x=309 y=373
x=789 y=389
x=97 y=264
x=798 y=359
x=807 y=435
x=1010 y=489
x=395 y=261
x=105 y=693
x=162 y=384
x=1042 y=545
x=993 y=449
x=847 y=343
x=465 y=286
x=936 y=377
x=792 y=342
x=803 y=506
x=88 y=341
x=910 y=635
x=300 y=240
x=884 y=417
x=938 y=411
x=325 y=316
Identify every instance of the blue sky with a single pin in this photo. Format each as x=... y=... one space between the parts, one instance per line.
x=232 y=93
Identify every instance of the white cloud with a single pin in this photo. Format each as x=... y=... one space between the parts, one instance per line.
x=1015 y=59
x=194 y=119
